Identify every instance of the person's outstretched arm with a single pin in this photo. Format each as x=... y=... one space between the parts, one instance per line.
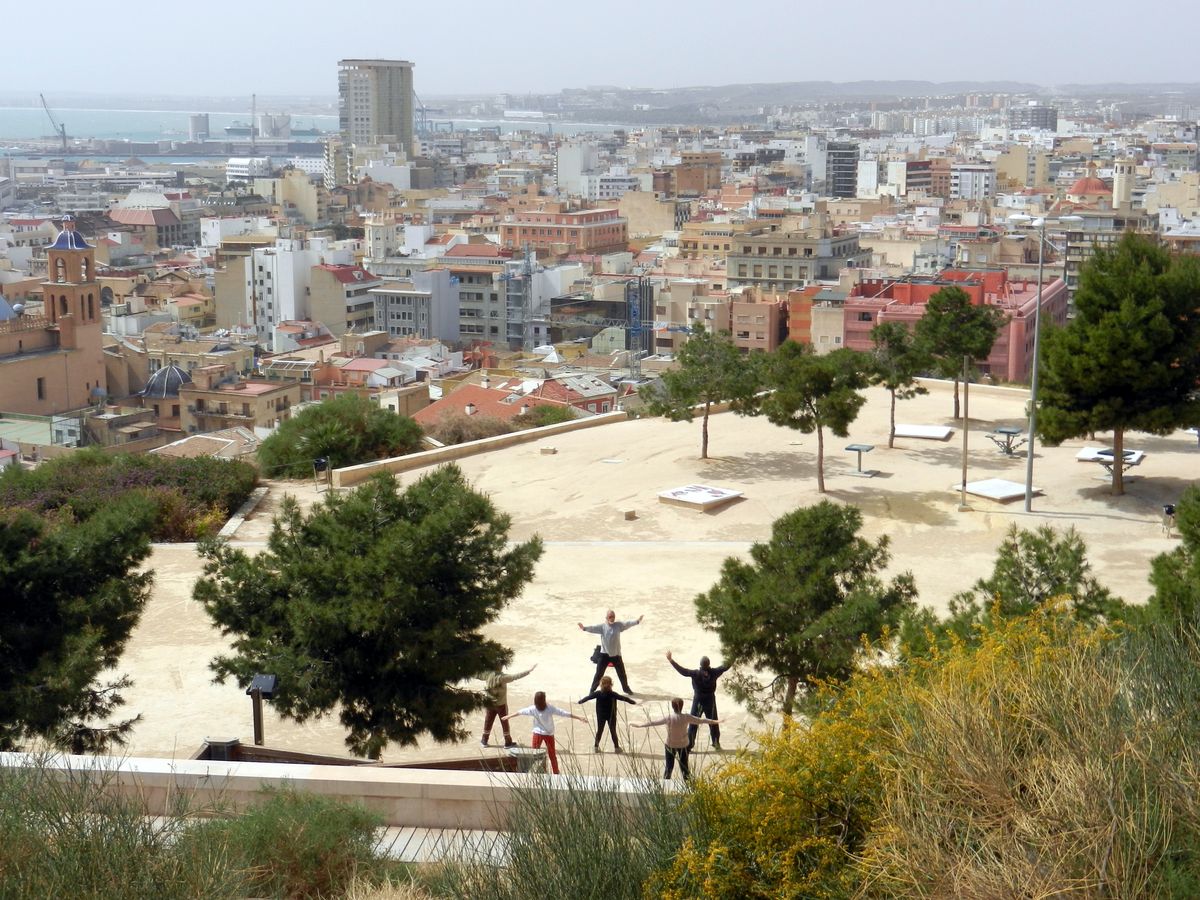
x=594 y=629
x=592 y=696
x=686 y=673
x=648 y=724
x=517 y=676
x=623 y=697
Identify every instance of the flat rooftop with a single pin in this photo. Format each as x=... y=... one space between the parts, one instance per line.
x=655 y=564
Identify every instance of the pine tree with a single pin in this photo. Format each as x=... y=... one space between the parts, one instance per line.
x=897 y=361
x=811 y=393
x=1128 y=360
x=71 y=596
x=711 y=370
x=371 y=605
x=953 y=328
x=802 y=605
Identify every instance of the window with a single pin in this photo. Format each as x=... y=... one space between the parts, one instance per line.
x=41 y=388
x=864 y=317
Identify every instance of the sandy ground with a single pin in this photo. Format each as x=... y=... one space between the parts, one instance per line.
x=656 y=564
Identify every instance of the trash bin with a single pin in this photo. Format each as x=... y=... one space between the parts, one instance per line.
x=529 y=761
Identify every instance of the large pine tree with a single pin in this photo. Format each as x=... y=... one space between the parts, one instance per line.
x=1129 y=360
x=371 y=606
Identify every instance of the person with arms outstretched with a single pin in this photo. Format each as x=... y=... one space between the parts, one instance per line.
x=676 y=744
x=497 y=703
x=543 y=715
x=610 y=647
x=704 y=696
x=606 y=711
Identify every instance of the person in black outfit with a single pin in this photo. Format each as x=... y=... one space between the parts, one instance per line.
x=606 y=711
x=704 y=696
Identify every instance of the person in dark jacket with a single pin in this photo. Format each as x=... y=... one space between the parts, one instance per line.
x=704 y=696
x=606 y=711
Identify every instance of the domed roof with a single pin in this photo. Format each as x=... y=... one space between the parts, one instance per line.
x=1089 y=185
x=69 y=238
x=166 y=382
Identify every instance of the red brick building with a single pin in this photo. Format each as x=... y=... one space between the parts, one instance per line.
x=875 y=301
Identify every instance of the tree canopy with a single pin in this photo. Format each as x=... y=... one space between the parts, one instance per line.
x=1176 y=575
x=811 y=393
x=1128 y=360
x=953 y=328
x=897 y=360
x=1033 y=568
x=346 y=430
x=372 y=605
x=710 y=370
x=803 y=603
x=71 y=596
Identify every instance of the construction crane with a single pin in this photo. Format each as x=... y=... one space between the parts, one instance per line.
x=59 y=130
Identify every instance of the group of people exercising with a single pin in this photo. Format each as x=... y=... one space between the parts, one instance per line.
x=681 y=727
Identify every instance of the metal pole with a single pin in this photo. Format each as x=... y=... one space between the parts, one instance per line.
x=962 y=500
x=1033 y=382
x=256 y=705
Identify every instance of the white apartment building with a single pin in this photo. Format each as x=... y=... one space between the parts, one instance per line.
x=245 y=168
x=613 y=184
x=972 y=181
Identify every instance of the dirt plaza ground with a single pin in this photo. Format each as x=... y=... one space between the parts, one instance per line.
x=655 y=564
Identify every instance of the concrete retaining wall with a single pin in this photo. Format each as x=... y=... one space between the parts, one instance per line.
x=352 y=475
x=418 y=798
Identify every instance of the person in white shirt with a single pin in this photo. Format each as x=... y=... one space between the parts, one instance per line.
x=610 y=647
x=543 y=715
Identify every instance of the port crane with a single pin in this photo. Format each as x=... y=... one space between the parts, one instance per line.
x=59 y=130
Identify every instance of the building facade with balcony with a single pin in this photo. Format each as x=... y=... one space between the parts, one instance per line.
x=216 y=399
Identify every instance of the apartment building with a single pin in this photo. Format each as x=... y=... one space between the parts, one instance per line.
x=841 y=168
x=425 y=307
x=562 y=233
x=375 y=101
x=1033 y=115
x=339 y=297
x=972 y=181
x=216 y=398
x=781 y=261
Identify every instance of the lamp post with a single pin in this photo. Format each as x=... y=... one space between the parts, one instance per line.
x=1040 y=225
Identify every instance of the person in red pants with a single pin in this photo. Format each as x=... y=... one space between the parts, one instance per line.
x=543 y=715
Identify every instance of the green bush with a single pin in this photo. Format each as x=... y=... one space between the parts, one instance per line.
x=346 y=430
x=69 y=835
x=459 y=428
x=191 y=494
x=294 y=845
x=543 y=415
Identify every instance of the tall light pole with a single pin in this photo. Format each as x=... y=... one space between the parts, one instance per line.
x=1040 y=225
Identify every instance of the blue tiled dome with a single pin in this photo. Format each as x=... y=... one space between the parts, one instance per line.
x=69 y=238
x=166 y=382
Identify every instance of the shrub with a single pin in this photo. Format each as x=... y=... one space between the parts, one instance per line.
x=1056 y=759
x=581 y=840
x=544 y=414
x=68 y=836
x=789 y=820
x=458 y=428
x=190 y=494
x=293 y=844
x=346 y=430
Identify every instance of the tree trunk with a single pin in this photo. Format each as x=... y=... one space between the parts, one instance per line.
x=1118 y=472
x=789 y=697
x=704 y=432
x=820 y=460
x=956 y=413
x=892 y=427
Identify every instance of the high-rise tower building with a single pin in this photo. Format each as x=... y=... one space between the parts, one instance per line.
x=375 y=101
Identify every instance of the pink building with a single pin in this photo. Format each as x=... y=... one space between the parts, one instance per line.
x=875 y=301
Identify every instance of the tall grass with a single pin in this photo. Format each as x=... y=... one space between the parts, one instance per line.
x=568 y=838
x=72 y=835
x=1054 y=761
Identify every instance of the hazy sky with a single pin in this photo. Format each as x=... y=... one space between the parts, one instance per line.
x=470 y=46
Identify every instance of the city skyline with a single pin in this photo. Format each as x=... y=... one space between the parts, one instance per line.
x=528 y=49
